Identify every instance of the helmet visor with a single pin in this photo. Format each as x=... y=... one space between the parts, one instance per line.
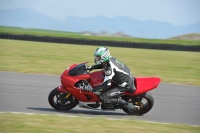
x=97 y=58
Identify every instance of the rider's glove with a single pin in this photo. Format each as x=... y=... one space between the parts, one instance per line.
x=88 y=68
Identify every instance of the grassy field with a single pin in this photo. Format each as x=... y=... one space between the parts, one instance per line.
x=21 y=123
x=52 y=58
x=37 y=32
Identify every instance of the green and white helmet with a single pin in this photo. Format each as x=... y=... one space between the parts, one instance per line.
x=101 y=55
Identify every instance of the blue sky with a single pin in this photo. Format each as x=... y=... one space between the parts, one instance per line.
x=176 y=12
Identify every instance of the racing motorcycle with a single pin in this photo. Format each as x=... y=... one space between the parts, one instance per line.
x=76 y=78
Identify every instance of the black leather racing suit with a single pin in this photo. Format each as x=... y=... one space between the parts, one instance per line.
x=120 y=74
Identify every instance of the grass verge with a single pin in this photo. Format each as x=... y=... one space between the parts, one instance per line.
x=23 y=123
x=38 y=32
x=52 y=58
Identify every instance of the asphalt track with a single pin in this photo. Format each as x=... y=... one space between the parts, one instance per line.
x=21 y=92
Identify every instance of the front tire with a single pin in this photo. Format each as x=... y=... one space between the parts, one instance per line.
x=62 y=101
x=144 y=102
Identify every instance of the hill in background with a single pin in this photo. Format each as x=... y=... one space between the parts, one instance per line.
x=192 y=36
x=118 y=26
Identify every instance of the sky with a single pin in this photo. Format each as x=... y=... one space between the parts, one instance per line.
x=175 y=12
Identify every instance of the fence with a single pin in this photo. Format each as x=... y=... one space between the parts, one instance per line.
x=175 y=47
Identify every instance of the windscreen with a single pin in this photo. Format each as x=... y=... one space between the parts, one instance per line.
x=78 y=70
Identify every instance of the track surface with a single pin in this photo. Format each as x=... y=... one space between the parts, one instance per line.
x=29 y=93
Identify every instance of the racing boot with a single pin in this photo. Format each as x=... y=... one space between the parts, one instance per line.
x=127 y=105
x=131 y=107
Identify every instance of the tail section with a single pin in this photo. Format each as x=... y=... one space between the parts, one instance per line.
x=144 y=84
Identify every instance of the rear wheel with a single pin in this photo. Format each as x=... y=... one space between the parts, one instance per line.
x=62 y=101
x=143 y=102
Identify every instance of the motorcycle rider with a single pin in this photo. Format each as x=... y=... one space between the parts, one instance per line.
x=115 y=71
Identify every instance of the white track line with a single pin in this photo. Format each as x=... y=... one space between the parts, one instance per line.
x=91 y=117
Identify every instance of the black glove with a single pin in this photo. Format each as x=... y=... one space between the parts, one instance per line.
x=88 y=68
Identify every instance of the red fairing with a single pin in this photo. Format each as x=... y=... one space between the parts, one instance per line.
x=68 y=83
x=96 y=78
x=61 y=89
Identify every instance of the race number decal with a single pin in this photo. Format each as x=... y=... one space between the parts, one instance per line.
x=108 y=72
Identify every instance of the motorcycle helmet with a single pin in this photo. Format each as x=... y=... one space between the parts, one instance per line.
x=101 y=55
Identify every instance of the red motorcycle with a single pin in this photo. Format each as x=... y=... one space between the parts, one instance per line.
x=76 y=77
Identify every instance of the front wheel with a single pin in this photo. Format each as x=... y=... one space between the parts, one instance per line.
x=143 y=102
x=62 y=101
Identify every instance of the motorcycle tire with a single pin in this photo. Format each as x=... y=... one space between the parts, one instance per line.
x=62 y=97
x=144 y=107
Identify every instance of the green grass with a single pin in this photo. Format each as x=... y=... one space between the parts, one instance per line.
x=38 y=32
x=21 y=123
x=52 y=58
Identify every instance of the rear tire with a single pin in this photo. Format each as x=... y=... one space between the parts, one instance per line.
x=59 y=101
x=137 y=100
